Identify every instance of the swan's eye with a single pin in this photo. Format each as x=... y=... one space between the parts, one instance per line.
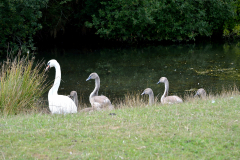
x=48 y=63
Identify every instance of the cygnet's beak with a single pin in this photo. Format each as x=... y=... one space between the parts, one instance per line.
x=88 y=78
x=195 y=95
x=158 y=82
x=143 y=93
x=47 y=68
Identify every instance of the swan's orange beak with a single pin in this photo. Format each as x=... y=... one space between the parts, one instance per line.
x=47 y=68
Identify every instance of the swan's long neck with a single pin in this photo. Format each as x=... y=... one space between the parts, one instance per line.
x=96 y=89
x=165 y=94
x=151 y=98
x=54 y=90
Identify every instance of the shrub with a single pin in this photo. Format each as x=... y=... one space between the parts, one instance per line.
x=21 y=85
x=231 y=28
x=18 y=23
x=161 y=20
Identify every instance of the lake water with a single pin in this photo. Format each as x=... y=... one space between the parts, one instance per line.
x=121 y=70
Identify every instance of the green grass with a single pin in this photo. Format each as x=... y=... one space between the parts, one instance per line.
x=195 y=129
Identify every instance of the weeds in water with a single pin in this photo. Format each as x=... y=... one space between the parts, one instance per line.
x=22 y=84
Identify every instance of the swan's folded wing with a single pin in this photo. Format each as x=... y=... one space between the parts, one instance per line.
x=102 y=100
x=172 y=99
x=62 y=104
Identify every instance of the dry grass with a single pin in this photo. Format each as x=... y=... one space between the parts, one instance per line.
x=225 y=92
x=131 y=100
x=21 y=86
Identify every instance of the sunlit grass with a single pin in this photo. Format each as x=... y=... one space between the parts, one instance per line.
x=21 y=86
x=196 y=129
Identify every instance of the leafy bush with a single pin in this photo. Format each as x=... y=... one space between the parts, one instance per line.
x=232 y=26
x=21 y=85
x=18 y=23
x=174 y=20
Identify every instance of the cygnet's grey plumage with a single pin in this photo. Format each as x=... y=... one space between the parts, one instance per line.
x=98 y=102
x=165 y=99
x=74 y=97
x=151 y=95
x=201 y=92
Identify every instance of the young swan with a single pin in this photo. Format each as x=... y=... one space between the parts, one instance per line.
x=165 y=99
x=98 y=102
x=58 y=104
x=201 y=92
x=151 y=95
x=73 y=96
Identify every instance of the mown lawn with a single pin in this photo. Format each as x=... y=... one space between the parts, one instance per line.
x=198 y=129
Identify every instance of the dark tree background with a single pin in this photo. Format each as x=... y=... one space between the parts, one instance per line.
x=24 y=23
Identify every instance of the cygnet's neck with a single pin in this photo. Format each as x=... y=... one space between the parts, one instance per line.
x=96 y=89
x=165 y=94
x=75 y=99
x=151 y=98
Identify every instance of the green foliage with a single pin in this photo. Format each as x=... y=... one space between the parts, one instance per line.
x=18 y=23
x=56 y=16
x=124 y=20
x=232 y=26
x=21 y=86
x=173 y=20
x=62 y=17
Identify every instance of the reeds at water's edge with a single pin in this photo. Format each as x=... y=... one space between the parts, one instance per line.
x=21 y=86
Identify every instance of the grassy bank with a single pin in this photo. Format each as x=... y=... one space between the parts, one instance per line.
x=196 y=129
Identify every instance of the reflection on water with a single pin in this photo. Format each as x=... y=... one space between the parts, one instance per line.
x=187 y=67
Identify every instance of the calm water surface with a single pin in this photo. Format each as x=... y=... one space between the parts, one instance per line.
x=123 y=71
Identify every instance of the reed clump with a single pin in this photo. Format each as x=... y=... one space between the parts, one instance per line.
x=225 y=92
x=131 y=100
x=22 y=83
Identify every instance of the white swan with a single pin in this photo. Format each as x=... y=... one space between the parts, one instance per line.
x=151 y=95
x=201 y=92
x=165 y=99
x=58 y=104
x=98 y=102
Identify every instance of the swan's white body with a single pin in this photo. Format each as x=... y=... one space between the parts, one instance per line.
x=165 y=99
x=98 y=102
x=59 y=104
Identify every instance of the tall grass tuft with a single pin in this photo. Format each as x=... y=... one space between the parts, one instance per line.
x=21 y=85
x=132 y=100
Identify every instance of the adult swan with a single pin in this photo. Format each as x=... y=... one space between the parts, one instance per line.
x=59 y=104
